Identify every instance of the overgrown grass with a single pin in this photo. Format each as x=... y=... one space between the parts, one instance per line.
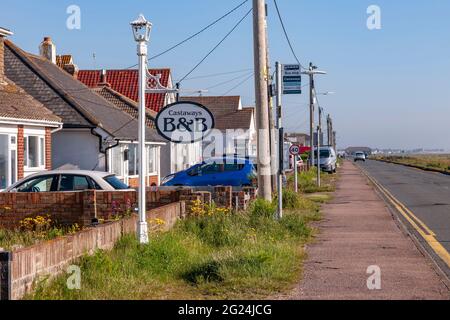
x=307 y=182
x=32 y=231
x=219 y=256
x=440 y=162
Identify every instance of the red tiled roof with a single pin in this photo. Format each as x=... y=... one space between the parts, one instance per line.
x=62 y=60
x=126 y=83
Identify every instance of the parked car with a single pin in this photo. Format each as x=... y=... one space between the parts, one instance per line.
x=328 y=159
x=360 y=156
x=68 y=180
x=234 y=172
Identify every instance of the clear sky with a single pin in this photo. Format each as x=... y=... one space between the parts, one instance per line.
x=392 y=85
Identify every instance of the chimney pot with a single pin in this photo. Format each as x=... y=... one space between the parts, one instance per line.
x=3 y=34
x=103 y=82
x=47 y=49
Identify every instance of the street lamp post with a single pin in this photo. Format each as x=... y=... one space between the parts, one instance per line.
x=141 y=31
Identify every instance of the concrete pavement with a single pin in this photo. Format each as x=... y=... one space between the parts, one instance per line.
x=359 y=231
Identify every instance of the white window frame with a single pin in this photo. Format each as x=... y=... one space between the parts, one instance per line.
x=125 y=146
x=41 y=149
x=11 y=147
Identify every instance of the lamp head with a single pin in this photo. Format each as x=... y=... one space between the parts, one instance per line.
x=141 y=29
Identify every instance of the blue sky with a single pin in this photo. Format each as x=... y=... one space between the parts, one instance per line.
x=392 y=85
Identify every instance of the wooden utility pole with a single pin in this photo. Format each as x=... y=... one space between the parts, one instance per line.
x=261 y=93
x=329 y=130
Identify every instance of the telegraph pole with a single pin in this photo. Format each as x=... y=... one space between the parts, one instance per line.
x=312 y=70
x=261 y=93
x=329 y=130
x=319 y=130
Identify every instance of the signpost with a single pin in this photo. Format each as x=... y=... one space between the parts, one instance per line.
x=184 y=122
x=295 y=150
x=288 y=81
x=292 y=79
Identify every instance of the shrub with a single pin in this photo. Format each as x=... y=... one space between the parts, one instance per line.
x=262 y=208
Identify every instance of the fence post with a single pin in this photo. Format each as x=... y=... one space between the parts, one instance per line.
x=5 y=275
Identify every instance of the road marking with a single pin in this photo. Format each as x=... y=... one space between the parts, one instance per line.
x=426 y=233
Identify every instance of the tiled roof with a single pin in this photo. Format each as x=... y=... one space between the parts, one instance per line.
x=17 y=104
x=125 y=104
x=62 y=60
x=68 y=98
x=126 y=83
x=226 y=111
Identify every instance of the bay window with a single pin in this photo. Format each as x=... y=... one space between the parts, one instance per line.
x=125 y=160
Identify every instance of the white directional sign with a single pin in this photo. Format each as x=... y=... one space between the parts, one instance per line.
x=292 y=79
x=184 y=122
x=295 y=150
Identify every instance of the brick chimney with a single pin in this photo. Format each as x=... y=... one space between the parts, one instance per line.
x=48 y=50
x=3 y=34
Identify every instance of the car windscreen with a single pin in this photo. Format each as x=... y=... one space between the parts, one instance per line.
x=323 y=154
x=116 y=183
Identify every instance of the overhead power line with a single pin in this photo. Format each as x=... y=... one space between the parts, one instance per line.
x=216 y=46
x=239 y=84
x=286 y=34
x=218 y=74
x=195 y=34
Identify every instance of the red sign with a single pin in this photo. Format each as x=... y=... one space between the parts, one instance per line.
x=304 y=150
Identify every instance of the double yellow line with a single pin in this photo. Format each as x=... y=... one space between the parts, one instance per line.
x=426 y=233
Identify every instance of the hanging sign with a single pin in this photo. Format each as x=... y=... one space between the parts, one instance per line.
x=184 y=122
x=292 y=79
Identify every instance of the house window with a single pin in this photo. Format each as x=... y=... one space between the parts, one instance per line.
x=133 y=164
x=8 y=160
x=34 y=151
x=151 y=160
x=117 y=161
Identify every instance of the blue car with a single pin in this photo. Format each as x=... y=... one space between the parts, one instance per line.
x=233 y=172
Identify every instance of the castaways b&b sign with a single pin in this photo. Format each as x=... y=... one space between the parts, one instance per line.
x=184 y=122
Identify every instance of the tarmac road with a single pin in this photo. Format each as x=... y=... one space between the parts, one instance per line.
x=424 y=199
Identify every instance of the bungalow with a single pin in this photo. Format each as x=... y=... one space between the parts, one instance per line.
x=26 y=129
x=96 y=134
x=174 y=157
x=234 y=123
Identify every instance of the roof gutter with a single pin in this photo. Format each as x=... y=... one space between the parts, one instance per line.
x=30 y=122
x=61 y=126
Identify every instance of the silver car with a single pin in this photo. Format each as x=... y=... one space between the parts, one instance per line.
x=360 y=156
x=68 y=180
x=328 y=159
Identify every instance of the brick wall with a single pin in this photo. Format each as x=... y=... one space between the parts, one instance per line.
x=20 y=153
x=67 y=208
x=150 y=181
x=53 y=257
x=48 y=148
